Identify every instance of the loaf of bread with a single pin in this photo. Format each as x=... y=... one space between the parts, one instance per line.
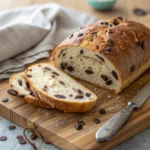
x=21 y=88
x=58 y=89
x=108 y=53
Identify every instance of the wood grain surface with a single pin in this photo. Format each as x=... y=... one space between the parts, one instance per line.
x=58 y=127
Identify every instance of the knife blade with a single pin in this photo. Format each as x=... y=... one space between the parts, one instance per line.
x=112 y=126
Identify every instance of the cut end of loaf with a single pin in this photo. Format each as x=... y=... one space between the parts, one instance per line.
x=87 y=65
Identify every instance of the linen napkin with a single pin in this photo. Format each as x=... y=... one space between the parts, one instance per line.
x=28 y=34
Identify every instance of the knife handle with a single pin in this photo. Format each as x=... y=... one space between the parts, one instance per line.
x=111 y=127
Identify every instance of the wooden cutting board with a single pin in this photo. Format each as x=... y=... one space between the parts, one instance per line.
x=58 y=127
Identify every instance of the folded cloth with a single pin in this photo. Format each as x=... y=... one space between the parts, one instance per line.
x=28 y=34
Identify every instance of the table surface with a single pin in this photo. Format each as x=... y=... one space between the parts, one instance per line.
x=122 y=8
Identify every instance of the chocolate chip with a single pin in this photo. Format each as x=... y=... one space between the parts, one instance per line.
x=61 y=82
x=47 y=68
x=115 y=22
x=121 y=18
x=70 y=68
x=21 y=96
x=32 y=94
x=139 y=12
x=109 y=82
x=142 y=45
x=12 y=92
x=22 y=141
x=45 y=88
x=81 y=51
x=79 y=91
x=29 y=76
x=80 y=34
x=61 y=52
x=78 y=126
x=95 y=32
x=20 y=82
x=115 y=75
x=33 y=136
x=70 y=95
x=97 y=47
x=5 y=100
x=62 y=65
x=110 y=31
x=111 y=26
x=12 y=127
x=104 y=23
x=96 y=121
x=20 y=137
x=3 y=138
x=70 y=36
x=102 y=111
x=79 y=97
x=88 y=94
x=82 y=123
x=104 y=77
x=132 y=68
x=89 y=71
x=55 y=73
x=70 y=57
x=60 y=96
x=101 y=58
x=27 y=84
x=53 y=76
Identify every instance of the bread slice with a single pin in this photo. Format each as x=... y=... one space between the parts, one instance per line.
x=59 y=90
x=109 y=53
x=21 y=88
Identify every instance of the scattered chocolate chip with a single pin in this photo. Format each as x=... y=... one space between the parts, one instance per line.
x=132 y=68
x=12 y=92
x=70 y=36
x=70 y=57
x=95 y=32
x=62 y=65
x=20 y=137
x=121 y=18
x=78 y=126
x=104 y=23
x=45 y=88
x=79 y=91
x=142 y=45
x=104 y=77
x=3 y=138
x=70 y=95
x=79 y=97
x=5 y=100
x=61 y=82
x=20 y=82
x=66 y=64
x=53 y=76
x=27 y=84
x=109 y=82
x=110 y=31
x=80 y=34
x=102 y=111
x=96 y=121
x=81 y=122
x=115 y=75
x=33 y=136
x=61 y=52
x=81 y=51
x=89 y=71
x=139 y=12
x=55 y=73
x=21 y=96
x=12 y=127
x=29 y=76
x=111 y=26
x=115 y=22
x=32 y=94
x=22 y=141
x=97 y=47
x=101 y=58
x=47 y=68
x=88 y=94
x=60 y=96
x=70 y=68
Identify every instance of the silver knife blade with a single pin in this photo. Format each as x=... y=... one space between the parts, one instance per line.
x=142 y=95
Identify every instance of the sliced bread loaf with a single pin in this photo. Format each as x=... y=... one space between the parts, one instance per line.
x=21 y=88
x=59 y=90
x=108 y=53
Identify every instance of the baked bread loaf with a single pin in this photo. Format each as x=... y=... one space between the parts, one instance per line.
x=20 y=88
x=108 y=53
x=59 y=90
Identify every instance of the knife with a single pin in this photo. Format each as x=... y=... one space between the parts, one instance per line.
x=112 y=126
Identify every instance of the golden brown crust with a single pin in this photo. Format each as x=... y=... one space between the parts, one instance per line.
x=28 y=98
x=126 y=44
x=64 y=105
